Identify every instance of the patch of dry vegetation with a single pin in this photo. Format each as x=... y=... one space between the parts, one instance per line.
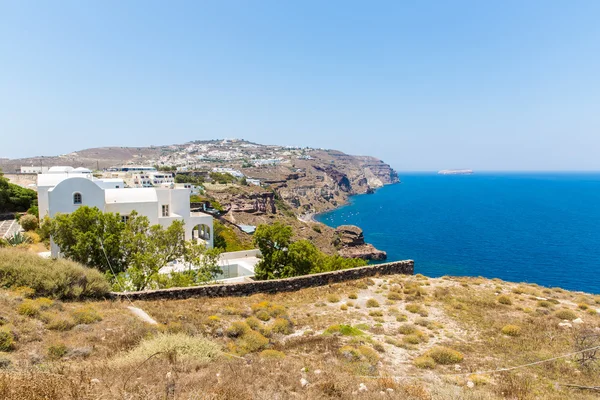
x=301 y=344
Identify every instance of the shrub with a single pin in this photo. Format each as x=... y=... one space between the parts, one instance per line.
x=511 y=330
x=185 y=348
x=565 y=314
x=272 y=354
x=401 y=318
x=57 y=351
x=444 y=355
x=253 y=323
x=24 y=291
x=29 y=307
x=60 y=278
x=394 y=296
x=376 y=313
x=353 y=296
x=372 y=303
x=369 y=354
x=544 y=303
x=416 y=309
x=316 y=228
x=263 y=315
x=333 y=298
x=237 y=329
x=583 y=306
x=213 y=320
x=7 y=340
x=412 y=339
x=503 y=299
x=343 y=307
x=283 y=326
x=28 y=222
x=379 y=347
x=252 y=341
x=424 y=362
x=60 y=323
x=349 y=353
x=271 y=310
x=86 y=315
x=44 y=303
x=33 y=237
x=344 y=330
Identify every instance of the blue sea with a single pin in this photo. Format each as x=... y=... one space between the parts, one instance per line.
x=521 y=227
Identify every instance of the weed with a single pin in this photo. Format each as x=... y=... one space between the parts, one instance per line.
x=372 y=303
x=333 y=298
x=565 y=314
x=282 y=326
x=444 y=355
x=237 y=329
x=29 y=308
x=251 y=342
x=511 y=330
x=7 y=339
x=407 y=329
x=58 y=323
x=253 y=322
x=57 y=351
x=86 y=315
x=424 y=362
x=344 y=330
x=272 y=354
x=394 y=296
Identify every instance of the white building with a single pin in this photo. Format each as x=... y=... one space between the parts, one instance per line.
x=34 y=170
x=140 y=176
x=64 y=190
x=233 y=172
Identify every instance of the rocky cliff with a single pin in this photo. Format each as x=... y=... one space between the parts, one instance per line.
x=352 y=244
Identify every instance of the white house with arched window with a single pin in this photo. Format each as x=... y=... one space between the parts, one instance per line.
x=67 y=190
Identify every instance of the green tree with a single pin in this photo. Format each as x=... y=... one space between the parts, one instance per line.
x=303 y=256
x=150 y=248
x=86 y=234
x=284 y=258
x=14 y=198
x=273 y=241
x=203 y=264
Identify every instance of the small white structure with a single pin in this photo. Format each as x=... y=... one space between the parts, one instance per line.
x=34 y=170
x=233 y=172
x=64 y=190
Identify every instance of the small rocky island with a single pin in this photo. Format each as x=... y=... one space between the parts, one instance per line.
x=352 y=244
x=455 y=172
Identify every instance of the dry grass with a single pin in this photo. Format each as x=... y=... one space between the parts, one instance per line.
x=61 y=278
x=334 y=350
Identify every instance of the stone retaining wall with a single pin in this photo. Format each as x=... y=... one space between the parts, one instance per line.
x=274 y=285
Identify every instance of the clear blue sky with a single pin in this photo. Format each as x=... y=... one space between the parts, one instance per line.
x=488 y=85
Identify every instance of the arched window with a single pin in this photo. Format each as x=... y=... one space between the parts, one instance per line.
x=76 y=198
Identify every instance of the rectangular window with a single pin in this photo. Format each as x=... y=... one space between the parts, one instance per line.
x=165 y=210
x=124 y=218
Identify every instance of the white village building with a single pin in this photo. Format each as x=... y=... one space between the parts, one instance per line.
x=65 y=189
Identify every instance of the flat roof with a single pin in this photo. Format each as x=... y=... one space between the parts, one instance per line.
x=130 y=195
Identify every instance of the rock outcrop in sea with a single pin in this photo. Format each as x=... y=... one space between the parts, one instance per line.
x=352 y=243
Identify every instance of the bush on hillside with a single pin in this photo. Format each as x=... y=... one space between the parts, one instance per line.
x=61 y=279
x=29 y=222
x=444 y=355
x=184 y=348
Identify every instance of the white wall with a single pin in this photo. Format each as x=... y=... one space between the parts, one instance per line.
x=60 y=198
